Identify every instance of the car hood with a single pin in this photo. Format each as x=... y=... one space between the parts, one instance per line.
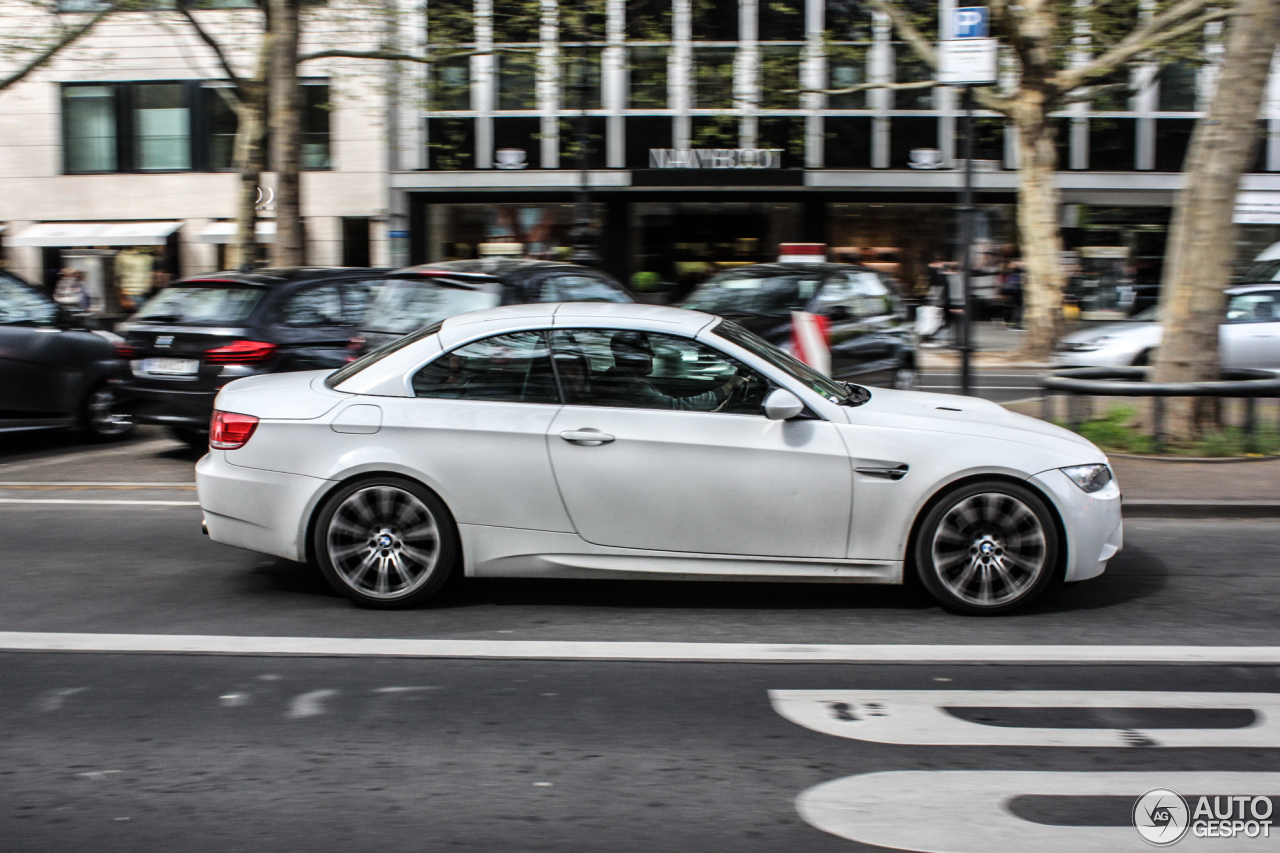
x=1114 y=331
x=919 y=410
x=280 y=396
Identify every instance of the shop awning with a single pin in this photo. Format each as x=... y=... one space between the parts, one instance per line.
x=225 y=232
x=95 y=234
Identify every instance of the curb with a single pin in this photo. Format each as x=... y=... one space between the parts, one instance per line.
x=1200 y=509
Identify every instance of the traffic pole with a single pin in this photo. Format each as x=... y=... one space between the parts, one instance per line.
x=966 y=236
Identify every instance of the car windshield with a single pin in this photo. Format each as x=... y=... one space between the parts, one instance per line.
x=1150 y=315
x=20 y=304
x=754 y=293
x=194 y=304
x=836 y=392
x=405 y=305
x=1264 y=271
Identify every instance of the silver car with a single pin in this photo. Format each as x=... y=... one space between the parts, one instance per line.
x=1249 y=335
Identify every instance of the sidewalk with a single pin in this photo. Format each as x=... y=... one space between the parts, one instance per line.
x=994 y=344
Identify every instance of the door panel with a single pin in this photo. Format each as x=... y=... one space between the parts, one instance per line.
x=859 y=309
x=704 y=482
x=1250 y=337
x=312 y=329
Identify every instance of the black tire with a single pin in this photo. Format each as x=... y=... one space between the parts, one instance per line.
x=100 y=418
x=386 y=542
x=1142 y=359
x=193 y=438
x=988 y=548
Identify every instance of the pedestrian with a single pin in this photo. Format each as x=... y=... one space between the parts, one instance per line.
x=1011 y=290
x=70 y=291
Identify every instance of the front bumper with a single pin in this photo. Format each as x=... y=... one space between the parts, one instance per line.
x=265 y=511
x=1093 y=523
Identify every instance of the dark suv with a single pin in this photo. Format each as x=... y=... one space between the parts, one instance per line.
x=198 y=334
x=416 y=297
x=871 y=340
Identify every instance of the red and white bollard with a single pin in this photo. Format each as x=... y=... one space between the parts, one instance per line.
x=811 y=340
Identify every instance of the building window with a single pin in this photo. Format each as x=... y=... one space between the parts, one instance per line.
x=648 y=76
x=645 y=133
x=1178 y=88
x=847 y=142
x=715 y=20
x=450 y=22
x=449 y=89
x=517 y=81
x=451 y=143
x=516 y=22
x=1111 y=144
x=89 y=129
x=780 y=78
x=713 y=78
x=222 y=129
x=848 y=64
x=161 y=128
x=315 y=126
x=781 y=20
x=910 y=69
x=649 y=20
x=1173 y=136
x=908 y=133
x=580 y=79
x=714 y=131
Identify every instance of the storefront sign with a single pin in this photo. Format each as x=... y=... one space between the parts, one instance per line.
x=715 y=158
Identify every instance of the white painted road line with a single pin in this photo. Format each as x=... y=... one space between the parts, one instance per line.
x=61 y=458
x=968 y=811
x=27 y=484
x=920 y=717
x=625 y=651
x=96 y=501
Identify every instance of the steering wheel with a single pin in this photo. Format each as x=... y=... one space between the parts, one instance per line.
x=738 y=394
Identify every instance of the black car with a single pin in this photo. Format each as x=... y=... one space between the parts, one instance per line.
x=55 y=370
x=418 y=296
x=200 y=333
x=872 y=341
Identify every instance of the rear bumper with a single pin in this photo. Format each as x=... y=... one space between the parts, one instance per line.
x=167 y=407
x=264 y=511
x=1094 y=527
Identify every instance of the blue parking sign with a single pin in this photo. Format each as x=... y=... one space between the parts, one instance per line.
x=970 y=23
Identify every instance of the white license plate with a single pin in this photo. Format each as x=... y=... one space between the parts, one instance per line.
x=171 y=366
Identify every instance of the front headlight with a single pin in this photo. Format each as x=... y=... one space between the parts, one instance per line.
x=1090 y=478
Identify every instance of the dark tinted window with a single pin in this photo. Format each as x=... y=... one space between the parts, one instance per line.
x=356 y=298
x=1253 y=308
x=319 y=305
x=755 y=292
x=201 y=305
x=404 y=305
x=579 y=288
x=1263 y=271
x=643 y=370
x=513 y=368
x=21 y=304
x=342 y=375
x=861 y=294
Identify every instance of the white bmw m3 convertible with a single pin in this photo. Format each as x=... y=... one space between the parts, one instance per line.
x=591 y=440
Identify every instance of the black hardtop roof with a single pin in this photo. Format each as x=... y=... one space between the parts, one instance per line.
x=777 y=268
x=276 y=276
x=497 y=268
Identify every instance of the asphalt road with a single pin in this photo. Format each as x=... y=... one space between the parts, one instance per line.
x=143 y=752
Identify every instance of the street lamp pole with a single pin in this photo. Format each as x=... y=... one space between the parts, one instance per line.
x=966 y=252
x=583 y=233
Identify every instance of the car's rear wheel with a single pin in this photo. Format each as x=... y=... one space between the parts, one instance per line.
x=987 y=548
x=386 y=543
x=101 y=418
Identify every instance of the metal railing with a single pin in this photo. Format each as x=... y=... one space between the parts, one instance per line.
x=1081 y=384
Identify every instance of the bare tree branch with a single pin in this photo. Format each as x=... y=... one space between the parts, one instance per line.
x=48 y=53
x=909 y=33
x=212 y=43
x=1163 y=28
x=397 y=56
x=862 y=87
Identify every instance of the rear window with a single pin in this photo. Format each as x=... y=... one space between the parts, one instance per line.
x=20 y=304
x=1264 y=271
x=406 y=305
x=201 y=305
x=754 y=293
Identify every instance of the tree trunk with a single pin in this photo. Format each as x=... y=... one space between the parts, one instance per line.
x=251 y=156
x=1201 y=240
x=1041 y=239
x=286 y=133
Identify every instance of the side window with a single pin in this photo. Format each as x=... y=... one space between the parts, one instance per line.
x=854 y=294
x=513 y=368
x=578 y=288
x=1253 y=308
x=19 y=304
x=356 y=298
x=643 y=370
x=319 y=305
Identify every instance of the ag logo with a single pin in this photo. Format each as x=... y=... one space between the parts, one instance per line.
x=1161 y=817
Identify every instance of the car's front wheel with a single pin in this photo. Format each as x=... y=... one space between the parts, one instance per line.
x=101 y=418
x=987 y=548
x=386 y=543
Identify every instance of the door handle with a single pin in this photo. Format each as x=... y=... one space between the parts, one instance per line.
x=588 y=437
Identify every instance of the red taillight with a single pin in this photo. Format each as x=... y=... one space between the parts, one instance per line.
x=230 y=431
x=123 y=350
x=241 y=352
x=354 y=346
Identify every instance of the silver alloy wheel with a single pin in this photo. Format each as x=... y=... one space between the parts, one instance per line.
x=905 y=379
x=383 y=542
x=103 y=419
x=989 y=549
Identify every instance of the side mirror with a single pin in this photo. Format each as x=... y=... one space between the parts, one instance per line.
x=782 y=405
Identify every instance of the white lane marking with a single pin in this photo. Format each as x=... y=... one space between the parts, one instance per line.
x=919 y=717
x=393 y=690
x=967 y=811
x=21 y=484
x=99 y=775
x=91 y=454
x=233 y=700
x=53 y=700
x=310 y=704
x=96 y=501
x=592 y=650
